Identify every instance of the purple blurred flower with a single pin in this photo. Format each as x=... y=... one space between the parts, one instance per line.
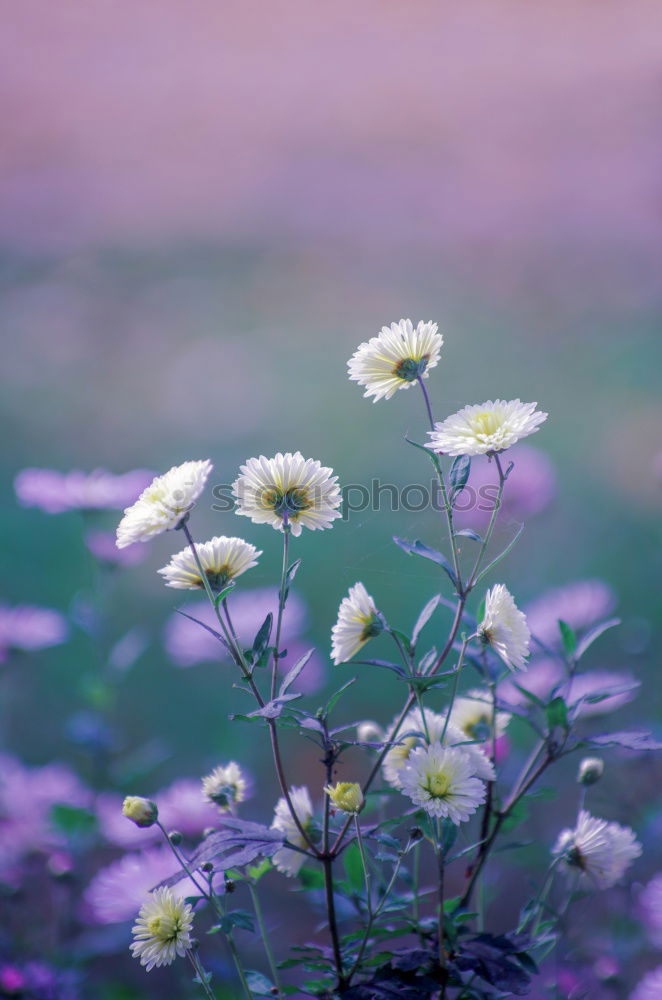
x=531 y=486
x=650 y=987
x=55 y=492
x=27 y=796
x=181 y=807
x=580 y=604
x=313 y=676
x=187 y=643
x=27 y=627
x=102 y=546
x=117 y=891
x=650 y=909
x=544 y=675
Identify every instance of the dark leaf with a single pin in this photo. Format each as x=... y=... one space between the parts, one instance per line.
x=418 y=548
x=239 y=843
x=273 y=709
x=294 y=671
x=217 y=635
x=261 y=640
x=469 y=533
x=395 y=667
x=459 y=474
x=557 y=713
x=568 y=638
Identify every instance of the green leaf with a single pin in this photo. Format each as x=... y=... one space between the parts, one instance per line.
x=424 y=617
x=311 y=878
x=557 y=713
x=237 y=918
x=354 y=867
x=568 y=637
x=459 y=474
x=261 y=640
x=222 y=594
x=256 y=872
x=72 y=820
x=420 y=549
x=289 y=576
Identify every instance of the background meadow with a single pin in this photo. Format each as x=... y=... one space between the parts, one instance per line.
x=207 y=208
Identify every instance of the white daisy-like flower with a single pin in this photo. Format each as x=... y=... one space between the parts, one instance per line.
x=162 y=930
x=396 y=357
x=443 y=781
x=472 y=714
x=285 y=859
x=505 y=627
x=412 y=736
x=358 y=622
x=486 y=427
x=601 y=851
x=225 y=786
x=288 y=486
x=165 y=502
x=223 y=559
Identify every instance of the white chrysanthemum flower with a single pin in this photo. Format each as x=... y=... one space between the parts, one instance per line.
x=358 y=622
x=303 y=490
x=396 y=357
x=162 y=930
x=443 y=781
x=472 y=714
x=486 y=427
x=601 y=851
x=412 y=735
x=223 y=559
x=505 y=628
x=225 y=786
x=285 y=859
x=164 y=503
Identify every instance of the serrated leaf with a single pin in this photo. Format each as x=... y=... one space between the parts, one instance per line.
x=424 y=617
x=294 y=671
x=238 y=843
x=418 y=548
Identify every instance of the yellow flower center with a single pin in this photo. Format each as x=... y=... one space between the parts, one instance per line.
x=164 y=928
x=438 y=785
x=486 y=422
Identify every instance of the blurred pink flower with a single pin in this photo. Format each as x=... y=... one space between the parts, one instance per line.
x=650 y=987
x=530 y=487
x=118 y=890
x=27 y=797
x=27 y=627
x=55 y=492
x=650 y=909
x=181 y=807
x=580 y=604
x=544 y=675
x=102 y=546
x=188 y=643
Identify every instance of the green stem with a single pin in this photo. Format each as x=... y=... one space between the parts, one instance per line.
x=490 y=528
x=456 y=680
x=201 y=974
x=327 y=863
x=281 y=604
x=440 y=919
x=265 y=937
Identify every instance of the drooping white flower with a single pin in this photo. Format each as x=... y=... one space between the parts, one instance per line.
x=443 y=781
x=412 y=735
x=505 y=628
x=396 y=357
x=162 y=930
x=650 y=987
x=285 y=859
x=223 y=559
x=601 y=851
x=225 y=786
x=486 y=427
x=472 y=714
x=164 y=503
x=288 y=486
x=357 y=623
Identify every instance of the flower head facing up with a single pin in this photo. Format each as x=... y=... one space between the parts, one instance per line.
x=164 y=504
x=346 y=795
x=443 y=781
x=504 y=627
x=472 y=714
x=285 y=859
x=226 y=786
x=142 y=812
x=288 y=488
x=486 y=428
x=600 y=851
x=223 y=559
x=412 y=735
x=396 y=357
x=358 y=622
x=163 y=929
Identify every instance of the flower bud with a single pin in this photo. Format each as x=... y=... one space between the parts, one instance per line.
x=369 y=732
x=142 y=812
x=590 y=770
x=208 y=867
x=175 y=837
x=346 y=795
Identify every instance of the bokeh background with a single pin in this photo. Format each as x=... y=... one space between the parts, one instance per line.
x=206 y=207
